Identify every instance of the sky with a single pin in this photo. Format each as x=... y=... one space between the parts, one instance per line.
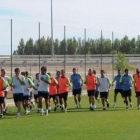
x=119 y=16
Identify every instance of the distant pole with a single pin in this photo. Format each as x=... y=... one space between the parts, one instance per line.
x=11 y=48
x=101 y=49
x=39 y=44
x=65 y=48
x=52 y=45
x=112 y=55
x=85 y=52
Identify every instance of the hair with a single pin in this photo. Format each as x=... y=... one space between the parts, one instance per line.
x=74 y=69
x=26 y=73
x=126 y=70
x=17 y=69
x=23 y=73
x=119 y=70
x=2 y=70
x=102 y=71
x=94 y=71
x=63 y=70
x=44 y=68
x=49 y=74
x=37 y=74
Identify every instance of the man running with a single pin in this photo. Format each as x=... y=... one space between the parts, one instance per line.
x=104 y=87
x=127 y=81
x=16 y=82
x=77 y=82
x=63 y=83
x=137 y=88
x=118 y=87
x=3 y=86
x=43 y=89
x=91 y=82
x=6 y=78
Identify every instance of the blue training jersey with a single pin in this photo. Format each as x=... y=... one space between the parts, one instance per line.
x=76 y=78
x=118 y=85
x=127 y=80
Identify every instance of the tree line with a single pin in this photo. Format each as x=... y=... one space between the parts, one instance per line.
x=78 y=46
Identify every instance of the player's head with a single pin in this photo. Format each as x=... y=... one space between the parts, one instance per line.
x=126 y=71
x=102 y=73
x=63 y=73
x=119 y=72
x=3 y=72
x=37 y=75
x=137 y=70
x=74 y=70
x=26 y=74
x=58 y=73
x=23 y=73
x=94 y=72
x=17 y=71
x=90 y=72
x=43 y=70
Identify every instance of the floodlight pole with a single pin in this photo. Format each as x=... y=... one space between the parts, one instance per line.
x=85 y=52
x=65 y=47
x=52 y=44
x=112 y=55
x=11 y=48
x=101 y=49
x=39 y=44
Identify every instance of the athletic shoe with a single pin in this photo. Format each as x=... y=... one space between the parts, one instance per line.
x=55 y=108
x=1 y=115
x=33 y=105
x=46 y=113
x=76 y=106
x=80 y=105
x=62 y=109
x=41 y=112
x=18 y=115
x=114 y=105
x=127 y=107
x=104 y=109
x=65 y=110
x=107 y=104
x=38 y=111
x=49 y=110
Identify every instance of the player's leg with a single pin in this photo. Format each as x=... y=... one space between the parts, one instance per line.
x=130 y=97
x=1 y=109
x=40 y=104
x=46 y=96
x=138 y=100
x=79 y=100
x=115 y=97
x=4 y=104
x=65 y=97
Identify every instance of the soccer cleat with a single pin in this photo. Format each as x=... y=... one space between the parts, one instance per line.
x=114 y=106
x=131 y=105
x=41 y=112
x=46 y=113
x=62 y=109
x=104 y=109
x=18 y=115
x=49 y=110
x=33 y=105
x=27 y=111
x=107 y=104
x=65 y=110
x=127 y=107
x=76 y=106
x=55 y=108
x=1 y=115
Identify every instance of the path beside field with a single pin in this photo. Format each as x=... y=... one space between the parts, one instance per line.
x=10 y=102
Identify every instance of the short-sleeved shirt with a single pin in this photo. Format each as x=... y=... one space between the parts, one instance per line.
x=2 y=86
x=118 y=85
x=127 y=80
x=28 y=84
x=44 y=87
x=104 y=83
x=76 y=78
x=18 y=87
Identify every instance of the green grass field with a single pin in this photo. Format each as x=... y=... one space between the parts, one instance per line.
x=78 y=124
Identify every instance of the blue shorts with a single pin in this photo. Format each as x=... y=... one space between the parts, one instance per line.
x=26 y=97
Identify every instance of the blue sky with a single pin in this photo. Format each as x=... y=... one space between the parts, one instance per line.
x=120 y=16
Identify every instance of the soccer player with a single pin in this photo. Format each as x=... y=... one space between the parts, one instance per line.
x=104 y=87
x=127 y=81
x=35 y=81
x=137 y=88
x=91 y=82
x=16 y=82
x=6 y=78
x=3 y=86
x=135 y=74
x=26 y=95
x=118 y=87
x=77 y=82
x=53 y=92
x=63 y=83
x=43 y=89
x=97 y=89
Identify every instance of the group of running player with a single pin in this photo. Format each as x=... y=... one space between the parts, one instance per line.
x=47 y=87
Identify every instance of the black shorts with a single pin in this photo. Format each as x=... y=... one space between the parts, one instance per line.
x=53 y=96
x=116 y=91
x=18 y=97
x=63 y=96
x=76 y=91
x=1 y=100
x=44 y=95
x=35 y=96
x=6 y=92
x=28 y=97
x=127 y=93
x=137 y=93
x=31 y=93
x=96 y=94
x=104 y=95
x=91 y=92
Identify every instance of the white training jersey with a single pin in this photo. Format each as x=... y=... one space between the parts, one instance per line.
x=43 y=87
x=27 y=85
x=104 y=84
x=35 y=85
x=18 y=87
x=6 y=78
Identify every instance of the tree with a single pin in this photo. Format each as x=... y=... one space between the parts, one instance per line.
x=122 y=62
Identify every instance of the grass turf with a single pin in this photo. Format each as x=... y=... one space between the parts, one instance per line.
x=78 y=124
